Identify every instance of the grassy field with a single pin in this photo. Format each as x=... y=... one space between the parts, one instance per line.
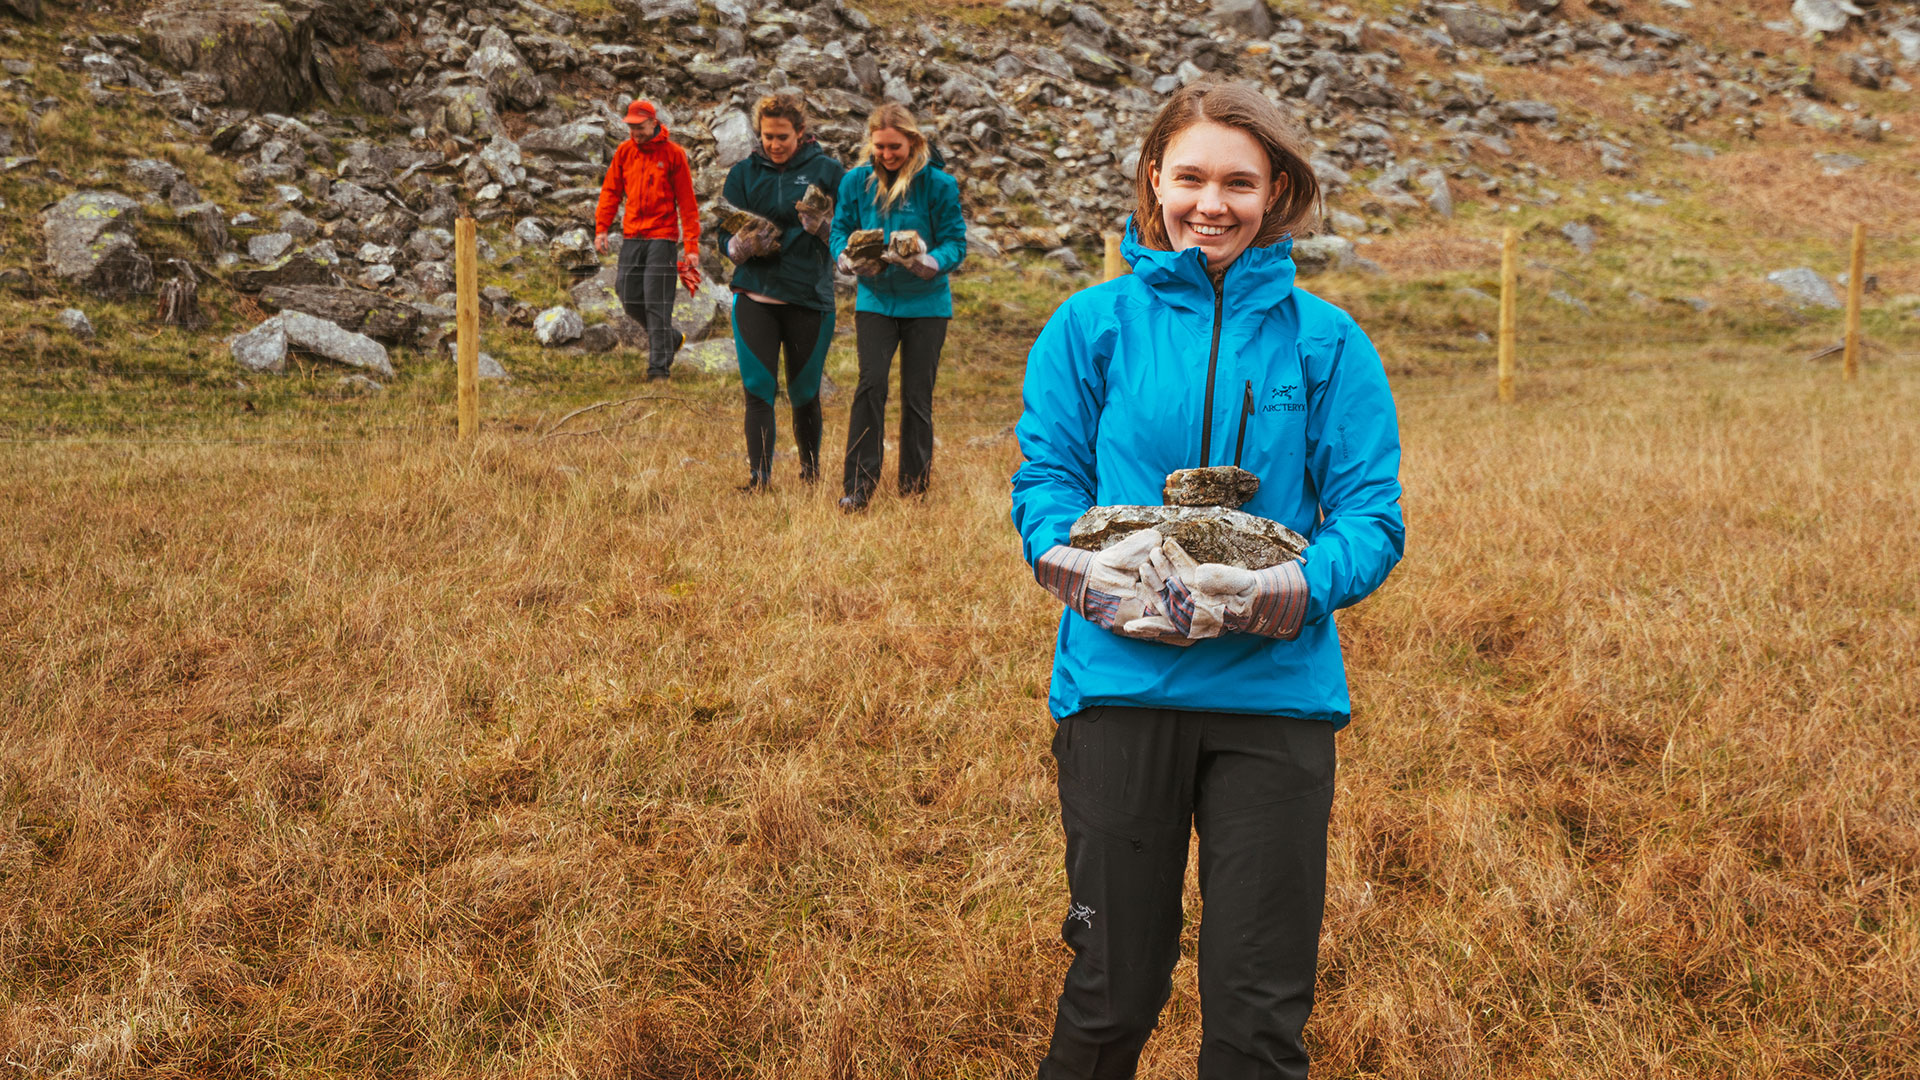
x=334 y=748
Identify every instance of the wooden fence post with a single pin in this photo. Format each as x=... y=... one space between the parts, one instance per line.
x=1116 y=265
x=1508 y=287
x=1856 y=272
x=467 y=326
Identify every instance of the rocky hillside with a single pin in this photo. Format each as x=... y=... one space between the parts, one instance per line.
x=216 y=159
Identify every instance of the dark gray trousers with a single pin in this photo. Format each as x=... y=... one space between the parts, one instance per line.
x=1259 y=791
x=919 y=342
x=646 y=277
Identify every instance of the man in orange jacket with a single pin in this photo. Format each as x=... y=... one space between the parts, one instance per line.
x=661 y=228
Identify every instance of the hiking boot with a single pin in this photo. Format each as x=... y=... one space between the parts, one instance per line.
x=853 y=504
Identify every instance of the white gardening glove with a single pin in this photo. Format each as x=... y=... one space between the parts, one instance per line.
x=1203 y=600
x=1105 y=588
x=737 y=249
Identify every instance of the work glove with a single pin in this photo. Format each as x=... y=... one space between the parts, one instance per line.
x=1203 y=600
x=761 y=238
x=815 y=210
x=1105 y=587
x=858 y=267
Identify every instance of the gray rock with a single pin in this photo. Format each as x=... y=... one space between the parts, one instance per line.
x=598 y=339
x=573 y=250
x=152 y=174
x=1693 y=149
x=89 y=240
x=1527 y=112
x=75 y=322
x=1835 y=164
x=512 y=83
x=1907 y=40
x=1319 y=254
x=1250 y=17
x=1439 y=195
x=733 y=137
x=1580 y=235
x=294 y=268
x=716 y=357
x=336 y=343
x=722 y=74
x=531 y=232
x=466 y=110
x=1870 y=72
x=1472 y=25
x=1561 y=296
x=1091 y=64
x=355 y=201
x=259 y=55
x=1217 y=485
x=379 y=317
x=557 y=326
x=501 y=157
x=1208 y=533
x=1824 y=16
x=665 y=11
x=489 y=368
x=694 y=316
x=263 y=348
x=582 y=140
x=267 y=247
x=1805 y=287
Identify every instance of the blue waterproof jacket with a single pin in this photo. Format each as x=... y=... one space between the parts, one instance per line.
x=931 y=207
x=1128 y=382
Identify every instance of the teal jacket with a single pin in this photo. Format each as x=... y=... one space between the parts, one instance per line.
x=931 y=207
x=801 y=272
x=1156 y=371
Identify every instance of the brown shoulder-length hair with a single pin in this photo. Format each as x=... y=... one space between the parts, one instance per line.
x=1234 y=105
x=789 y=107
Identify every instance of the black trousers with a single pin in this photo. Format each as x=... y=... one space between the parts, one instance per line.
x=762 y=332
x=645 y=279
x=919 y=342
x=1259 y=791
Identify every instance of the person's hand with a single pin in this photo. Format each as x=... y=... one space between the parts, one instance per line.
x=736 y=249
x=858 y=268
x=1203 y=600
x=684 y=260
x=818 y=223
x=600 y=243
x=1105 y=587
x=921 y=266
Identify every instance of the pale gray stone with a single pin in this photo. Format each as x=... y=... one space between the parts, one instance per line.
x=557 y=326
x=715 y=357
x=1216 y=485
x=1250 y=17
x=334 y=342
x=733 y=137
x=1824 y=16
x=1580 y=235
x=267 y=247
x=263 y=348
x=1472 y=25
x=76 y=322
x=1805 y=286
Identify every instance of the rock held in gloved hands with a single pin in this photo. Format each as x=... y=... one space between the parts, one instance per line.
x=1218 y=485
x=866 y=250
x=905 y=244
x=1211 y=534
x=753 y=236
x=816 y=211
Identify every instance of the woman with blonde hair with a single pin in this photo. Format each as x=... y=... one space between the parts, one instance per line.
x=782 y=280
x=903 y=302
x=1203 y=698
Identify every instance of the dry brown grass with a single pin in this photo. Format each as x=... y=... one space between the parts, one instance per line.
x=560 y=759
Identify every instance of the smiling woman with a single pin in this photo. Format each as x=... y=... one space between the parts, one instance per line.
x=1170 y=724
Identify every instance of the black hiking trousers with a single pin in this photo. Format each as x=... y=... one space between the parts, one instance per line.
x=1258 y=790
x=645 y=278
x=919 y=341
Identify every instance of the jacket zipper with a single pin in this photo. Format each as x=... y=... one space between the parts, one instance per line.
x=1246 y=413
x=1213 y=360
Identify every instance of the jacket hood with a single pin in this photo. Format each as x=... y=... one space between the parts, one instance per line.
x=1180 y=277
x=808 y=149
x=660 y=138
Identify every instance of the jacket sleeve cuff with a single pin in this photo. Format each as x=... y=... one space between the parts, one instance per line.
x=1062 y=571
x=1279 y=602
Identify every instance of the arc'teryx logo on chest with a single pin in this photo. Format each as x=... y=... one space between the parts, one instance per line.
x=1280 y=399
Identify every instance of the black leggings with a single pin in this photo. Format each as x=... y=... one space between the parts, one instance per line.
x=919 y=342
x=761 y=332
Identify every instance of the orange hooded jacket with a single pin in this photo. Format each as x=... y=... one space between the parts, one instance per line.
x=654 y=179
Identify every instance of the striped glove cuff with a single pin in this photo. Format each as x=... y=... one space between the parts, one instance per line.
x=1062 y=571
x=1279 y=603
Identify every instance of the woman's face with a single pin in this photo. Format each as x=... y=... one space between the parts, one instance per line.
x=1215 y=186
x=778 y=140
x=891 y=149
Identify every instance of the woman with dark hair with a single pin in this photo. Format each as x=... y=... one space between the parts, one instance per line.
x=903 y=301
x=782 y=280
x=1169 y=723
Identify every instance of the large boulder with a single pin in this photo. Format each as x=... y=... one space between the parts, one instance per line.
x=260 y=53
x=373 y=314
x=90 y=242
x=264 y=348
x=733 y=137
x=582 y=140
x=509 y=78
x=1472 y=25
